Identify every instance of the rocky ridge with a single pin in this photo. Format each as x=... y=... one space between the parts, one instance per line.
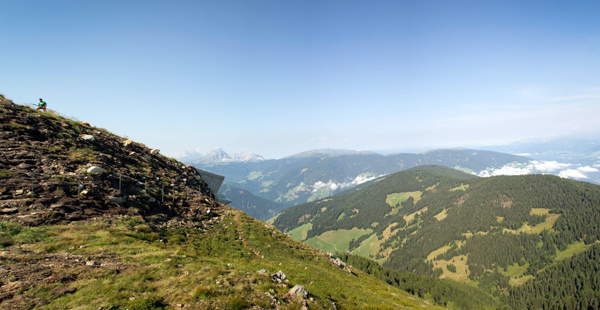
x=53 y=168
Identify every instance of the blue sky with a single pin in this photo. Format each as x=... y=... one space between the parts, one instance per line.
x=281 y=77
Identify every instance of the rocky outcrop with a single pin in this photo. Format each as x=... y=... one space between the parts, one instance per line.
x=299 y=291
x=53 y=169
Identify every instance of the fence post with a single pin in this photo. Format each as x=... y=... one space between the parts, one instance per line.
x=173 y=193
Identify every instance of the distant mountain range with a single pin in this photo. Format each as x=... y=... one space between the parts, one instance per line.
x=218 y=155
x=525 y=239
x=313 y=175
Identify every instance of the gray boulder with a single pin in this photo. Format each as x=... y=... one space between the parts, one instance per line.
x=279 y=277
x=94 y=169
x=88 y=138
x=119 y=200
x=299 y=291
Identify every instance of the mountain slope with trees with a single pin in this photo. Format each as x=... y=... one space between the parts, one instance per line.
x=497 y=233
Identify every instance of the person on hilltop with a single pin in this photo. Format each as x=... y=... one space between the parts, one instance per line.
x=42 y=105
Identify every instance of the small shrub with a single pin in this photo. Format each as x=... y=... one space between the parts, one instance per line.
x=237 y=303
x=202 y=291
x=10 y=228
x=6 y=240
x=7 y=174
x=148 y=304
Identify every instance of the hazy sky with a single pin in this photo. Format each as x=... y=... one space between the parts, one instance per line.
x=281 y=77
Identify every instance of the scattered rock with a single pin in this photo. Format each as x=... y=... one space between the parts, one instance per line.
x=19 y=192
x=127 y=143
x=338 y=262
x=86 y=124
x=119 y=200
x=8 y=210
x=88 y=138
x=299 y=291
x=262 y=271
x=154 y=152
x=279 y=277
x=94 y=169
x=91 y=263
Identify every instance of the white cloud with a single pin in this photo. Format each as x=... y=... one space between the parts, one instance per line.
x=587 y=169
x=572 y=174
x=333 y=186
x=548 y=166
x=564 y=170
x=506 y=170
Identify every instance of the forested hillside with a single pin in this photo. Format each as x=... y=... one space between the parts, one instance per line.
x=497 y=233
x=243 y=200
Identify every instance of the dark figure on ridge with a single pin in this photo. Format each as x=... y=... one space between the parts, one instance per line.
x=42 y=105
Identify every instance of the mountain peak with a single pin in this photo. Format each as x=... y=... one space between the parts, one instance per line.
x=218 y=155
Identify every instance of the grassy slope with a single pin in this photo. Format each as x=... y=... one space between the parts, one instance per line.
x=203 y=269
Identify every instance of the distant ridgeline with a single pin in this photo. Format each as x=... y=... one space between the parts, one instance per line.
x=509 y=235
x=315 y=175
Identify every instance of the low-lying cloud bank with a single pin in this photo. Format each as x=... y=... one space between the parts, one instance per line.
x=333 y=186
x=564 y=170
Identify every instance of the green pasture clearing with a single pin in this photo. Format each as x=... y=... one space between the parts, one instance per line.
x=442 y=215
x=462 y=269
x=547 y=224
x=368 y=248
x=411 y=216
x=479 y=233
x=437 y=252
x=254 y=175
x=337 y=241
x=462 y=187
x=432 y=187
x=515 y=271
x=572 y=249
x=301 y=232
x=397 y=198
x=388 y=232
x=520 y=281
x=539 y=211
